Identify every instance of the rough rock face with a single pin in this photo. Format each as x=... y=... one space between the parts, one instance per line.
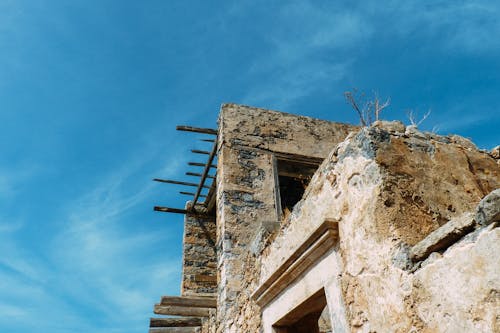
x=199 y=275
x=397 y=230
x=390 y=189
x=250 y=142
x=429 y=180
x=488 y=210
x=459 y=290
x=443 y=237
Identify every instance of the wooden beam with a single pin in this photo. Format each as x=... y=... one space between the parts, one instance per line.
x=196 y=151
x=191 y=194
x=198 y=175
x=170 y=210
x=175 y=329
x=196 y=129
x=181 y=311
x=190 y=301
x=211 y=196
x=201 y=164
x=205 y=173
x=181 y=211
x=175 y=322
x=177 y=182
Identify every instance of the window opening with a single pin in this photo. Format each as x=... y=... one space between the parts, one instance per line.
x=293 y=179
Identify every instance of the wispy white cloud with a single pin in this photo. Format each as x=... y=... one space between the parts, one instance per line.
x=12 y=312
x=448 y=122
x=294 y=84
x=305 y=33
x=97 y=259
x=8 y=226
x=299 y=39
x=11 y=177
x=114 y=269
x=458 y=26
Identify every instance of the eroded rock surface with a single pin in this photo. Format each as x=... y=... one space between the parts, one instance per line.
x=488 y=210
x=391 y=189
x=412 y=250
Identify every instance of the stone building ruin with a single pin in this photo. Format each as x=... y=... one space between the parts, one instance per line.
x=315 y=226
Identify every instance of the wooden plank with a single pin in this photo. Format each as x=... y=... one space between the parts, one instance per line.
x=181 y=211
x=211 y=196
x=169 y=210
x=181 y=311
x=196 y=129
x=196 y=151
x=211 y=157
x=175 y=322
x=202 y=164
x=176 y=182
x=175 y=330
x=198 y=175
x=190 y=301
x=191 y=194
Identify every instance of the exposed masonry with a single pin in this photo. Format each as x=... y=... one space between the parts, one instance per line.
x=199 y=273
x=328 y=227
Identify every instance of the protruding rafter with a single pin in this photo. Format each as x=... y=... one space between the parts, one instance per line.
x=192 y=194
x=205 y=173
x=196 y=129
x=168 y=181
x=198 y=175
x=202 y=164
x=170 y=210
x=196 y=151
x=175 y=322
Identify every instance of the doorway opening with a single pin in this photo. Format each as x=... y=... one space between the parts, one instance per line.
x=311 y=316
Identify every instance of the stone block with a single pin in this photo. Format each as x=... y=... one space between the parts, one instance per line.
x=443 y=237
x=265 y=229
x=495 y=152
x=488 y=210
x=391 y=126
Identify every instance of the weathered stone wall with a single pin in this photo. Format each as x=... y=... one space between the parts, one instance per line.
x=199 y=274
x=249 y=139
x=387 y=230
x=245 y=198
x=390 y=186
x=458 y=291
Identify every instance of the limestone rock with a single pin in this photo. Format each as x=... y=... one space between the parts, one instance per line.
x=413 y=131
x=407 y=255
x=458 y=291
x=488 y=210
x=442 y=237
x=390 y=126
x=460 y=140
x=495 y=152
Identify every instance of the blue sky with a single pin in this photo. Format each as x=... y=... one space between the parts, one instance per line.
x=91 y=91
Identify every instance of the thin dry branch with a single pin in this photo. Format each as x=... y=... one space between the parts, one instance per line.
x=412 y=117
x=352 y=101
x=371 y=109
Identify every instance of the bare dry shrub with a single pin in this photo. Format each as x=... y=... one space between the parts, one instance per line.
x=368 y=110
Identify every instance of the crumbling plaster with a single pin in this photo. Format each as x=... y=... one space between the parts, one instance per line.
x=249 y=140
x=389 y=189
